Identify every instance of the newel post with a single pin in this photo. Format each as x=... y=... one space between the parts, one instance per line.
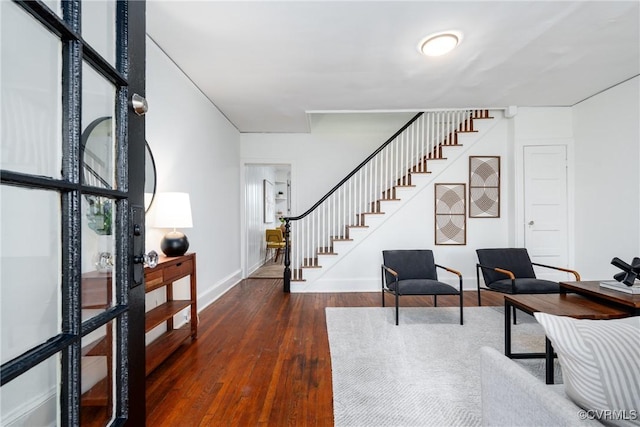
x=287 y=259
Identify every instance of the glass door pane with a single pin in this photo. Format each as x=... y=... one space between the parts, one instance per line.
x=33 y=399
x=30 y=82
x=98 y=136
x=98 y=255
x=29 y=269
x=97 y=379
x=99 y=27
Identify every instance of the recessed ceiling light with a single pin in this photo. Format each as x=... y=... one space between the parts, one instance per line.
x=440 y=43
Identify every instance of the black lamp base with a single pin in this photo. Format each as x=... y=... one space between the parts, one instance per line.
x=174 y=244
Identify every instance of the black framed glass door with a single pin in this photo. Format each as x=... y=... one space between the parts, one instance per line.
x=71 y=211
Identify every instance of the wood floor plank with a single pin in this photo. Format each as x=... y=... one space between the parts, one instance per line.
x=261 y=358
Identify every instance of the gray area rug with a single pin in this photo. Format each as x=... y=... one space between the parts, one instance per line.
x=424 y=372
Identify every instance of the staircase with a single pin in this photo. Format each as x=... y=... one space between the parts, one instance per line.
x=378 y=187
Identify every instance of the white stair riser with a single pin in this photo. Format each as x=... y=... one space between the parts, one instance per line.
x=358 y=233
x=404 y=192
x=327 y=260
x=373 y=221
x=389 y=206
x=311 y=274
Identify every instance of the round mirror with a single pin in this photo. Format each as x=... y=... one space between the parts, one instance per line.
x=98 y=159
x=149 y=178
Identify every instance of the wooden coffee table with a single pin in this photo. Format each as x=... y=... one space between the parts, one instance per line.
x=572 y=305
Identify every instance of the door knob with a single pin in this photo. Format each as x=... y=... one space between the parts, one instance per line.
x=150 y=259
x=139 y=104
x=531 y=223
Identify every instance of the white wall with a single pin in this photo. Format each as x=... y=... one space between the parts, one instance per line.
x=607 y=174
x=196 y=150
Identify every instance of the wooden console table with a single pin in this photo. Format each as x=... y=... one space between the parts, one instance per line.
x=97 y=295
x=168 y=270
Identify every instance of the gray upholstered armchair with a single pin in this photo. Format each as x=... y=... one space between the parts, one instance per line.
x=413 y=272
x=510 y=270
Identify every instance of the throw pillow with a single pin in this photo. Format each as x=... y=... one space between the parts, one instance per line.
x=600 y=362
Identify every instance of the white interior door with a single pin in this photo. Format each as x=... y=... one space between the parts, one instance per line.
x=546 y=207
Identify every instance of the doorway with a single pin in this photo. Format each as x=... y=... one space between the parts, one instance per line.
x=268 y=197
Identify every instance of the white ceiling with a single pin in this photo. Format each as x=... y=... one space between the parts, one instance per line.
x=268 y=64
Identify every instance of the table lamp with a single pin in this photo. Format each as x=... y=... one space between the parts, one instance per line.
x=173 y=210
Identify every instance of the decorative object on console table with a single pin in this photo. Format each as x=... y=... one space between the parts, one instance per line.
x=484 y=186
x=451 y=214
x=629 y=273
x=627 y=281
x=173 y=210
x=168 y=271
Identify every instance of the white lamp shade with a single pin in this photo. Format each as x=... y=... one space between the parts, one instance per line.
x=172 y=210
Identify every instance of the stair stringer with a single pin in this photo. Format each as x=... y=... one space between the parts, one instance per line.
x=326 y=278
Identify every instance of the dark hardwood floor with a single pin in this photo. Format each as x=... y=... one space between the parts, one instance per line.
x=261 y=358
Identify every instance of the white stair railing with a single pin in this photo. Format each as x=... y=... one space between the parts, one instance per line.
x=375 y=179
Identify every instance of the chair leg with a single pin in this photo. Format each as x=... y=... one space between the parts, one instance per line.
x=478 y=285
x=397 y=308
x=382 y=284
x=514 y=315
x=461 y=305
x=435 y=300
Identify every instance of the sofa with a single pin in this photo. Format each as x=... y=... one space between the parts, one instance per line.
x=511 y=396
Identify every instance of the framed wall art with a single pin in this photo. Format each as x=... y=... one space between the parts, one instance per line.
x=450 y=214
x=484 y=186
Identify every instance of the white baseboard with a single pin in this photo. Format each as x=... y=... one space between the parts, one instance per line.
x=253 y=268
x=219 y=289
x=38 y=411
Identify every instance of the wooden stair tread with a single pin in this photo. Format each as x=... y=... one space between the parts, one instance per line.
x=98 y=347
x=98 y=395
